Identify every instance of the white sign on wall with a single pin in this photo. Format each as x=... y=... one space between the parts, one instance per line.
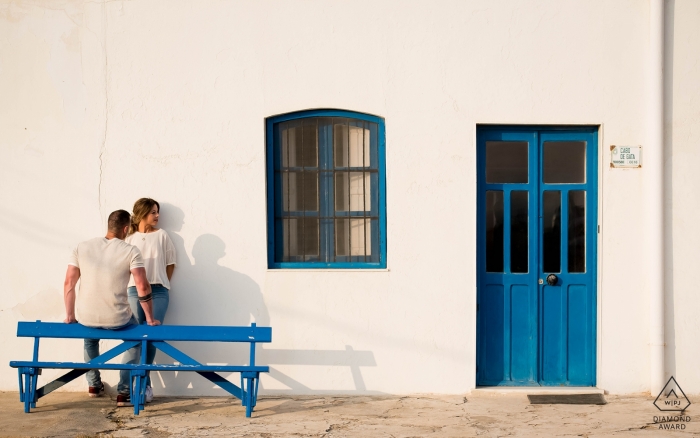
x=626 y=156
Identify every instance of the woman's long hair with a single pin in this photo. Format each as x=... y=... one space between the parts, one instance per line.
x=142 y=208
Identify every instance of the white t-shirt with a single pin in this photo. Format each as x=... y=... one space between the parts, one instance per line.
x=158 y=252
x=105 y=267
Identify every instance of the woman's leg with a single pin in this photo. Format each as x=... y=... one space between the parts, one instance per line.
x=139 y=315
x=161 y=299
x=130 y=356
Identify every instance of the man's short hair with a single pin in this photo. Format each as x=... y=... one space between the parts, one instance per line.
x=118 y=220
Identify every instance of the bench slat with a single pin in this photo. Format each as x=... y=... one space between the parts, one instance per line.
x=154 y=367
x=141 y=332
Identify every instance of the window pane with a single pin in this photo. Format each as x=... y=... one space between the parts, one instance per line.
x=353 y=237
x=351 y=145
x=551 y=224
x=300 y=191
x=518 y=231
x=300 y=238
x=506 y=162
x=353 y=191
x=577 y=231
x=564 y=162
x=494 y=231
x=299 y=144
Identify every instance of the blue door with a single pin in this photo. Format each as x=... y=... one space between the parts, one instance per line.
x=536 y=255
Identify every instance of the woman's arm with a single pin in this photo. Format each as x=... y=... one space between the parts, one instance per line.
x=169 y=271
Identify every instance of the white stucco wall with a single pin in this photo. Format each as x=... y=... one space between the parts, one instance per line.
x=103 y=103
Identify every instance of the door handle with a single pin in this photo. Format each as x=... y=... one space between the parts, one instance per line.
x=552 y=279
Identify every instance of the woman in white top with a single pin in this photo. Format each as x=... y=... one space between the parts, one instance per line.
x=158 y=254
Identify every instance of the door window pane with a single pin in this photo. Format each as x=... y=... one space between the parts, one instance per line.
x=564 y=162
x=518 y=231
x=506 y=162
x=494 y=231
x=551 y=226
x=577 y=231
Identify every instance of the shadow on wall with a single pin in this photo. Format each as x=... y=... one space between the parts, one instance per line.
x=205 y=293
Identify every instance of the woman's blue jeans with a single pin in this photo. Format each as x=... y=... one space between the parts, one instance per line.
x=161 y=299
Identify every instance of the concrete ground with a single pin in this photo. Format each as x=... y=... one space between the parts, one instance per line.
x=477 y=414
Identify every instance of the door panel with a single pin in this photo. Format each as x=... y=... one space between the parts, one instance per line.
x=578 y=359
x=493 y=348
x=553 y=335
x=537 y=215
x=524 y=333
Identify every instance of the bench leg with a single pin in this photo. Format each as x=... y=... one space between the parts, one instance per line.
x=134 y=385
x=249 y=394
x=35 y=379
x=142 y=390
x=21 y=386
x=137 y=379
x=28 y=393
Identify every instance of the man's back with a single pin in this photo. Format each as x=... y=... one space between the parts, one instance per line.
x=105 y=266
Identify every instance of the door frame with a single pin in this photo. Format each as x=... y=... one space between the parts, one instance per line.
x=601 y=154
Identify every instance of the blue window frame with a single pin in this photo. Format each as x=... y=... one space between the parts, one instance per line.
x=326 y=190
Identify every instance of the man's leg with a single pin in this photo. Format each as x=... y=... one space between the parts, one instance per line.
x=91 y=351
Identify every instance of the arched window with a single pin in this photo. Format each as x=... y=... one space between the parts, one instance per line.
x=326 y=190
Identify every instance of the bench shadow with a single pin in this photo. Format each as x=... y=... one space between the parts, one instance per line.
x=348 y=357
x=205 y=293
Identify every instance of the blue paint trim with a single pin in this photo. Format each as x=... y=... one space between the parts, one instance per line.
x=326 y=243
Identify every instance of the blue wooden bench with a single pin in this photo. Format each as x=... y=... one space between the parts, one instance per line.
x=158 y=336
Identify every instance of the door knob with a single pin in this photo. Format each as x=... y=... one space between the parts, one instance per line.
x=552 y=279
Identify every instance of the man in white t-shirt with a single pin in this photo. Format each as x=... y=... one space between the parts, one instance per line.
x=104 y=266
